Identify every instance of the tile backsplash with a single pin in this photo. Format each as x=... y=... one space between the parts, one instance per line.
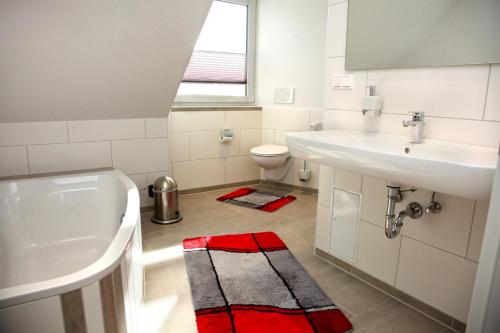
x=138 y=147
x=184 y=145
x=199 y=159
x=276 y=122
x=461 y=103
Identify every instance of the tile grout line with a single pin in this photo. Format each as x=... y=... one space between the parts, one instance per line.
x=424 y=243
x=404 y=114
x=28 y=159
x=471 y=227
x=486 y=92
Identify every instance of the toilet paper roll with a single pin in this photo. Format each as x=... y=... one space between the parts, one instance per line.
x=225 y=139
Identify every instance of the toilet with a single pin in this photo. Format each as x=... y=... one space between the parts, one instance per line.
x=276 y=160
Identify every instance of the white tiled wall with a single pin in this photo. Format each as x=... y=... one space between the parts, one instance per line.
x=138 y=147
x=141 y=148
x=462 y=103
x=435 y=257
x=199 y=159
x=434 y=247
x=276 y=122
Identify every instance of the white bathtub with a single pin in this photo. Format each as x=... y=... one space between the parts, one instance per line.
x=70 y=241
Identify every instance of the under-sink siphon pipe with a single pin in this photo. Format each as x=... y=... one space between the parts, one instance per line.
x=392 y=223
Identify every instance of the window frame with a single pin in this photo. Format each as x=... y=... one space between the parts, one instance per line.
x=250 y=85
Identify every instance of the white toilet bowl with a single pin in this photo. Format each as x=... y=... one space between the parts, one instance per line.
x=274 y=159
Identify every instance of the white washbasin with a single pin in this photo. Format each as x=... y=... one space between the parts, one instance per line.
x=445 y=167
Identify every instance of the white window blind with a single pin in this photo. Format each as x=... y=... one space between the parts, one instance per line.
x=219 y=66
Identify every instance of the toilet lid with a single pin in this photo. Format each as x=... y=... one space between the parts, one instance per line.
x=269 y=150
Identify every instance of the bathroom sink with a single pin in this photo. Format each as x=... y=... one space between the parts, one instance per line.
x=445 y=167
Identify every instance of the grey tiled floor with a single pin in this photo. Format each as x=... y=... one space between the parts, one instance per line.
x=168 y=306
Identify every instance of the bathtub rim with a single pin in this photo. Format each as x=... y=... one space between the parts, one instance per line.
x=103 y=266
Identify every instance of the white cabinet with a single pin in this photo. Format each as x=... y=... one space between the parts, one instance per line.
x=344 y=224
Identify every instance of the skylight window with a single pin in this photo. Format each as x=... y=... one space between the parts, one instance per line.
x=221 y=66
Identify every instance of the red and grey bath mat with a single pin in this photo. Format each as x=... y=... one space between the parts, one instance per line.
x=251 y=283
x=257 y=199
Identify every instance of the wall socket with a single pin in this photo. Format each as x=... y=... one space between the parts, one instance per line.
x=283 y=95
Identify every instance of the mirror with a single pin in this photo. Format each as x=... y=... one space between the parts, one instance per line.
x=423 y=33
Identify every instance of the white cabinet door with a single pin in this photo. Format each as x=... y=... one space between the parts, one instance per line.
x=345 y=218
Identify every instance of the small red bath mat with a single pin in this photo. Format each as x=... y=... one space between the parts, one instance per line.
x=251 y=283
x=257 y=199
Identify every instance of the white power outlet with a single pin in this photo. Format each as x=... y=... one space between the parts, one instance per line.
x=283 y=95
x=342 y=81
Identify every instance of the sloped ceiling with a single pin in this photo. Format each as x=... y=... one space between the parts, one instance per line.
x=94 y=59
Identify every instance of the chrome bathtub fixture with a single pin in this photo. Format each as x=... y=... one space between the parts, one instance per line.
x=394 y=223
x=417 y=126
x=434 y=206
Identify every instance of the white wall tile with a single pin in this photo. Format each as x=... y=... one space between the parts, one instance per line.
x=243 y=119
x=448 y=230
x=109 y=129
x=152 y=176
x=350 y=120
x=249 y=138
x=481 y=133
x=202 y=173
x=347 y=180
x=140 y=180
x=436 y=277
x=178 y=146
x=145 y=199
x=285 y=119
x=492 y=111
x=325 y=190
x=13 y=161
x=374 y=200
x=280 y=137
x=477 y=232
x=315 y=115
x=206 y=144
x=332 y=2
x=197 y=121
x=343 y=99
x=140 y=156
x=336 y=30
x=16 y=134
x=267 y=136
x=240 y=169
x=377 y=255
x=156 y=127
x=71 y=156
x=323 y=226
x=454 y=91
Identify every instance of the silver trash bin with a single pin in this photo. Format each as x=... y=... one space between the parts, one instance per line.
x=166 y=210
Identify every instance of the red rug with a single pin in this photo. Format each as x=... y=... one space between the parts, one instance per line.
x=251 y=283
x=253 y=198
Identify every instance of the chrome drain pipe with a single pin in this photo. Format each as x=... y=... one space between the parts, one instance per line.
x=394 y=223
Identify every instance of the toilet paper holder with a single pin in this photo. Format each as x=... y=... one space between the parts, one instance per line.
x=226 y=135
x=371 y=104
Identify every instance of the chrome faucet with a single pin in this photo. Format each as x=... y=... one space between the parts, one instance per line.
x=417 y=126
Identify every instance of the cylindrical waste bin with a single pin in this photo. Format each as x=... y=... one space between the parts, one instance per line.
x=166 y=210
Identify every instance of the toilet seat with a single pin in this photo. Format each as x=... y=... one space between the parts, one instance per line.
x=269 y=150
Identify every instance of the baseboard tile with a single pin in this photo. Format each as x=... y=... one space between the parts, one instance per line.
x=289 y=187
x=395 y=293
